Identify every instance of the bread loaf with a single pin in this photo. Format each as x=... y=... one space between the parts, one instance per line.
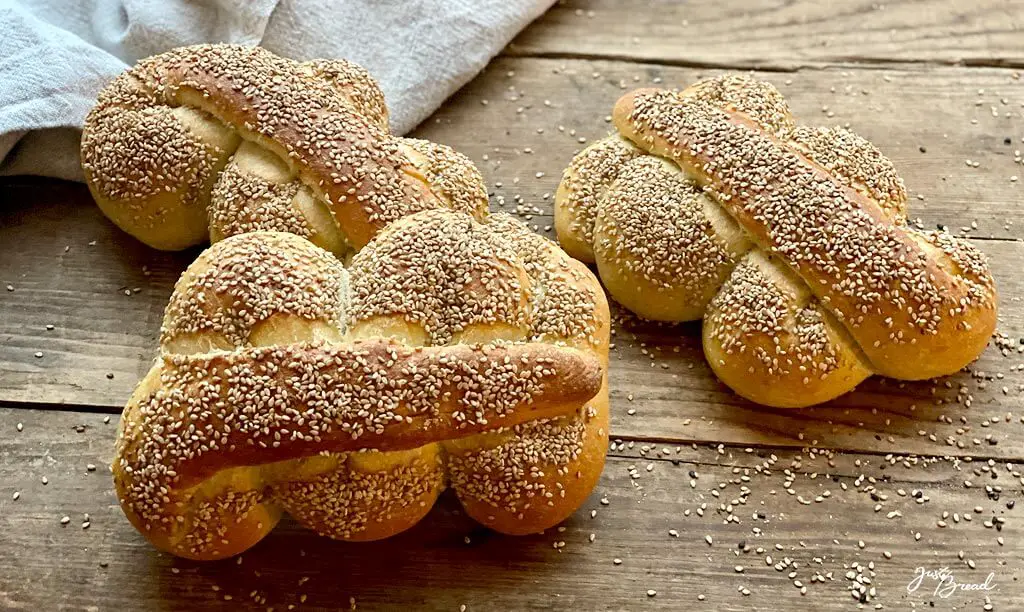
x=210 y=141
x=790 y=242
x=450 y=352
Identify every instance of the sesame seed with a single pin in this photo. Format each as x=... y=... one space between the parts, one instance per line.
x=138 y=145
x=440 y=270
x=824 y=201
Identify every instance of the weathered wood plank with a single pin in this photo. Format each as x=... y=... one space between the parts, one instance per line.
x=645 y=514
x=928 y=120
x=64 y=265
x=98 y=330
x=661 y=386
x=782 y=34
x=532 y=122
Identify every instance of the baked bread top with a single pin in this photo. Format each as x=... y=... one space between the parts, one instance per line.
x=703 y=185
x=286 y=378
x=210 y=141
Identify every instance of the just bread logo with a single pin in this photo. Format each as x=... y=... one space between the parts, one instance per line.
x=945 y=582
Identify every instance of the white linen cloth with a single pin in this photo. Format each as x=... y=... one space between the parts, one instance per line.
x=56 y=55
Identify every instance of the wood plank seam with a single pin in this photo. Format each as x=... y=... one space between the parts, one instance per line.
x=758 y=451
x=646 y=529
x=507 y=144
x=618 y=439
x=838 y=63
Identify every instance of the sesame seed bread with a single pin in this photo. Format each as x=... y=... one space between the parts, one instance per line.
x=790 y=242
x=210 y=141
x=449 y=352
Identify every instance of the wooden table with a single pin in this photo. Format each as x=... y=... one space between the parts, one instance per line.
x=707 y=501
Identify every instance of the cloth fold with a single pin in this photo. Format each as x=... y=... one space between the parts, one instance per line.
x=56 y=55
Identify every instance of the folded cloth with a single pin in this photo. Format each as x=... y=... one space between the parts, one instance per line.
x=56 y=55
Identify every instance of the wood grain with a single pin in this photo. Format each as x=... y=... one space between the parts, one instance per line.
x=645 y=516
x=99 y=330
x=782 y=34
x=533 y=121
x=88 y=300
x=955 y=135
x=64 y=265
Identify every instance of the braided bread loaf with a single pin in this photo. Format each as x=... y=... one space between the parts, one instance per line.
x=448 y=352
x=791 y=242
x=215 y=140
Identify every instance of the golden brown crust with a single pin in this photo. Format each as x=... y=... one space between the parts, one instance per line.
x=368 y=495
x=154 y=146
x=444 y=273
x=451 y=175
x=895 y=300
x=259 y=405
x=356 y=85
x=228 y=294
x=534 y=476
x=757 y=100
x=830 y=211
x=255 y=192
x=583 y=185
x=771 y=341
x=655 y=244
x=344 y=158
x=284 y=385
x=856 y=162
x=158 y=193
